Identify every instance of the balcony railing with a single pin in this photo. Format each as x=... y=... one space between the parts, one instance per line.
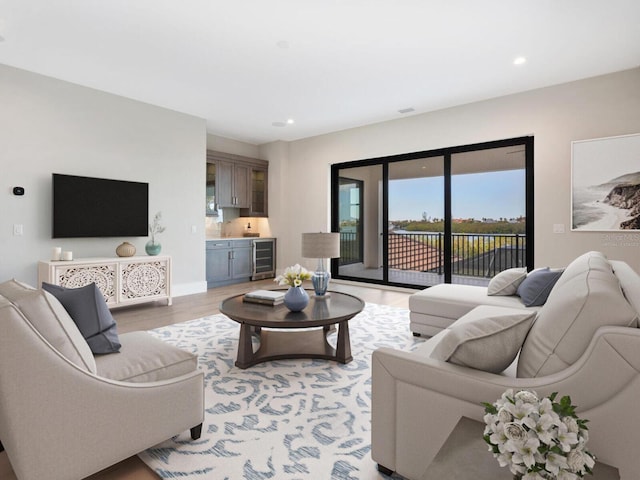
x=350 y=248
x=475 y=255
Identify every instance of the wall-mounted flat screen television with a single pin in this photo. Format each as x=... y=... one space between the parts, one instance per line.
x=99 y=207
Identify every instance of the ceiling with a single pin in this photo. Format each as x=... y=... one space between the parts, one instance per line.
x=245 y=65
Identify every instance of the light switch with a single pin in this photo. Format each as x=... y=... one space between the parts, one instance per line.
x=18 y=229
x=194 y=229
x=558 y=228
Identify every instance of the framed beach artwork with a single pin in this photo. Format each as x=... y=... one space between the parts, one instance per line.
x=605 y=184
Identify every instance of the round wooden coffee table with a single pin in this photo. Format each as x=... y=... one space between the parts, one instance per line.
x=284 y=334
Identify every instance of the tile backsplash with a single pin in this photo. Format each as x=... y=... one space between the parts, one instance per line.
x=234 y=226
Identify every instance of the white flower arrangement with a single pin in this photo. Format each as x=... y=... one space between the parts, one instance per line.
x=293 y=276
x=537 y=438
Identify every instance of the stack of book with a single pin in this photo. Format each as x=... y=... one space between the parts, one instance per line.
x=264 y=297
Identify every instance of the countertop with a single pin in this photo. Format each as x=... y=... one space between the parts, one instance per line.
x=238 y=238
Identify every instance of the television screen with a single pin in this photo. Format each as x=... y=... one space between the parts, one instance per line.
x=99 y=207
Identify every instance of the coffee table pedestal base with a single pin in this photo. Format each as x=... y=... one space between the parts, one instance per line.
x=280 y=344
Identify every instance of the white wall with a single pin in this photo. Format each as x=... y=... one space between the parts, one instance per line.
x=228 y=145
x=47 y=126
x=598 y=107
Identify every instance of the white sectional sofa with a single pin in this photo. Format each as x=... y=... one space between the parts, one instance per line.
x=436 y=308
x=583 y=342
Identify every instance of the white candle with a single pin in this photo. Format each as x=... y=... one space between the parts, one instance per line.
x=67 y=255
x=56 y=253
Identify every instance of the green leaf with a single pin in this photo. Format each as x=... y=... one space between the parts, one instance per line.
x=556 y=449
x=490 y=408
x=582 y=423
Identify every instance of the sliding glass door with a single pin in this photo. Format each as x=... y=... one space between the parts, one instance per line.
x=415 y=236
x=359 y=217
x=488 y=212
x=454 y=215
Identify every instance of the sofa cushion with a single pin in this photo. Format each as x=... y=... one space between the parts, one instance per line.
x=87 y=307
x=144 y=358
x=536 y=287
x=506 y=282
x=447 y=300
x=53 y=322
x=487 y=338
x=586 y=297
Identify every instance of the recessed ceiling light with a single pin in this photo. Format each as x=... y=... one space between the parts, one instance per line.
x=519 y=61
x=291 y=121
x=406 y=110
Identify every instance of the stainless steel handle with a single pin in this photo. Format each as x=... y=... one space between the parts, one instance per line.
x=254 y=266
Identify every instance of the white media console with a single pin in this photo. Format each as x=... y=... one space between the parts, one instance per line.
x=122 y=280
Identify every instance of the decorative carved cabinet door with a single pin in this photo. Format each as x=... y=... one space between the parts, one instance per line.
x=104 y=276
x=143 y=279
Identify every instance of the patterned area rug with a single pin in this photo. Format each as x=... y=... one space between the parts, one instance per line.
x=282 y=420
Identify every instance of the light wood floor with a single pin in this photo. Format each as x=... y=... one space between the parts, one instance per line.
x=149 y=316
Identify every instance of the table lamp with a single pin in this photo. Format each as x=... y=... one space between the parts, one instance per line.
x=321 y=246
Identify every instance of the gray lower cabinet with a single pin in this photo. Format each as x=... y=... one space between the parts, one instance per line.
x=229 y=261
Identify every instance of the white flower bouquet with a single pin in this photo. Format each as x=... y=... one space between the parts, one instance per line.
x=537 y=438
x=293 y=276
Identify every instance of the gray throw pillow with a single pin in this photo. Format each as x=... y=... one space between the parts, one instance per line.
x=535 y=289
x=88 y=309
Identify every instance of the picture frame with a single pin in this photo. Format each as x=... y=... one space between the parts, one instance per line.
x=605 y=184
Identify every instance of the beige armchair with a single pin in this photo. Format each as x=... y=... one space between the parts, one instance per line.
x=60 y=419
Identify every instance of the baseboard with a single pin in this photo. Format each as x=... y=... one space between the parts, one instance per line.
x=364 y=284
x=181 y=289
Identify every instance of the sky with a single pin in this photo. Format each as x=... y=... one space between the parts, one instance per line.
x=600 y=160
x=478 y=195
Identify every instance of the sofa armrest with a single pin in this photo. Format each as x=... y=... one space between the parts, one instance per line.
x=416 y=400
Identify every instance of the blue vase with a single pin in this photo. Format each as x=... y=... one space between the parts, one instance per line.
x=152 y=248
x=296 y=299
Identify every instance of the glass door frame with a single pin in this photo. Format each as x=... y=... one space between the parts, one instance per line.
x=360 y=229
x=526 y=141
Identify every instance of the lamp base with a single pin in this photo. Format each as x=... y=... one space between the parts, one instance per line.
x=320 y=297
x=320 y=280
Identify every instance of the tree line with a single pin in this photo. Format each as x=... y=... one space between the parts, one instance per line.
x=501 y=226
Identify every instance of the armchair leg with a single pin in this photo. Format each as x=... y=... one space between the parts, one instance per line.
x=385 y=470
x=1 y=447
x=416 y=334
x=196 y=432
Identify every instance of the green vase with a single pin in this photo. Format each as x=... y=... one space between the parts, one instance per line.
x=152 y=248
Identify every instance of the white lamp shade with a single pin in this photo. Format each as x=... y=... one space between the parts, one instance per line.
x=321 y=245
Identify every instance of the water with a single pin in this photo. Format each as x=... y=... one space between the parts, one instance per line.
x=585 y=210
